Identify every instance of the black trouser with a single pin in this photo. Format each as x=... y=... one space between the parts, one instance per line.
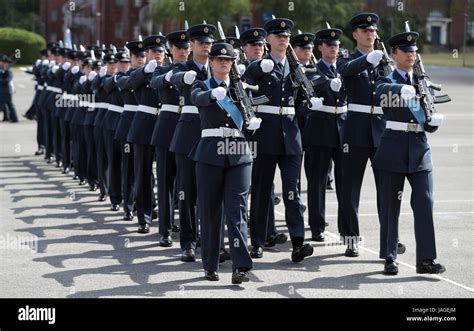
x=79 y=151
x=56 y=136
x=6 y=104
x=101 y=160
x=91 y=163
x=127 y=177
x=114 y=168
x=143 y=182
x=48 y=130
x=166 y=173
x=65 y=133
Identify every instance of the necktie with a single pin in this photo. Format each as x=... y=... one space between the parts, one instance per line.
x=204 y=71
x=408 y=80
x=332 y=70
x=223 y=84
x=280 y=66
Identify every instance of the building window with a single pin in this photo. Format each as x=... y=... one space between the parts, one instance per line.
x=54 y=15
x=119 y=30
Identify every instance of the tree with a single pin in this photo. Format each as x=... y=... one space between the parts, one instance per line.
x=22 y=14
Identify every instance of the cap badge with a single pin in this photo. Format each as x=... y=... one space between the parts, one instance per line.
x=223 y=51
x=283 y=24
x=409 y=37
x=183 y=36
x=255 y=33
x=206 y=30
x=369 y=18
x=333 y=34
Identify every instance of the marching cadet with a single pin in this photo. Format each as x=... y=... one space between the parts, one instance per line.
x=278 y=141
x=322 y=132
x=91 y=69
x=141 y=131
x=38 y=97
x=223 y=175
x=121 y=62
x=253 y=41
x=6 y=77
x=137 y=58
x=46 y=100
x=168 y=117
x=405 y=153
x=364 y=124
x=188 y=130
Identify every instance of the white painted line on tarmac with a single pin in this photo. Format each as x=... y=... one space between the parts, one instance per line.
x=400 y=262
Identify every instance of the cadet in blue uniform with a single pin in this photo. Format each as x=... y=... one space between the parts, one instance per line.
x=6 y=77
x=141 y=131
x=38 y=98
x=137 y=58
x=188 y=129
x=278 y=142
x=405 y=153
x=163 y=133
x=322 y=133
x=223 y=174
x=364 y=124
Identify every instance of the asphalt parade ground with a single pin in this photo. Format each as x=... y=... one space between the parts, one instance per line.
x=58 y=241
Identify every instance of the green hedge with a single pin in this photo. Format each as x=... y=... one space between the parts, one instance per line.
x=21 y=45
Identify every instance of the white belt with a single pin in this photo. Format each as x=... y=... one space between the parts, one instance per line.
x=115 y=108
x=130 y=107
x=103 y=105
x=40 y=87
x=222 y=133
x=148 y=109
x=401 y=126
x=54 y=89
x=190 y=110
x=171 y=108
x=365 y=109
x=333 y=109
x=275 y=110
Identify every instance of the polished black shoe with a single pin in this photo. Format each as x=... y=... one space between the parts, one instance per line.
x=127 y=216
x=102 y=197
x=390 y=268
x=326 y=223
x=278 y=238
x=50 y=160
x=40 y=151
x=429 y=267
x=66 y=171
x=329 y=186
x=212 y=276
x=304 y=207
x=166 y=241
x=224 y=256
x=154 y=214
x=93 y=187
x=256 y=252
x=352 y=251
x=299 y=253
x=319 y=237
x=75 y=177
x=401 y=248
x=82 y=182
x=188 y=255
x=59 y=164
x=114 y=207
x=276 y=200
x=143 y=228
x=239 y=276
x=175 y=228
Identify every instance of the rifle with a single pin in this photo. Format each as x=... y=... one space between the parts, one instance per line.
x=242 y=56
x=246 y=102
x=386 y=63
x=299 y=79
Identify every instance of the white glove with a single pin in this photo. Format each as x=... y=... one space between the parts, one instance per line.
x=374 y=57
x=45 y=62
x=266 y=65
x=103 y=71
x=189 y=77
x=316 y=103
x=336 y=84
x=75 y=70
x=408 y=92
x=82 y=80
x=66 y=65
x=168 y=76
x=92 y=75
x=55 y=68
x=151 y=66
x=436 y=120
x=242 y=69
x=254 y=123
x=37 y=62
x=52 y=63
x=219 y=93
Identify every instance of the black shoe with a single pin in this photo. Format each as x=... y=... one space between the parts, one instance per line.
x=256 y=252
x=429 y=267
x=223 y=256
x=319 y=237
x=329 y=186
x=143 y=228
x=114 y=207
x=276 y=200
x=278 y=238
x=326 y=223
x=299 y=253
x=82 y=182
x=59 y=164
x=352 y=251
x=93 y=187
x=239 y=276
x=188 y=255
x=154 y=214
x=304 y=207
x=40 y=151
x=175 y=228
x=13 y=121
x=166 y=241
x=127 y=216
x=212 y=276
x=66 y=171
x=75 y=177
x=390 y=268
x=401 y=248
x=102 y=197
x=49 y=160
